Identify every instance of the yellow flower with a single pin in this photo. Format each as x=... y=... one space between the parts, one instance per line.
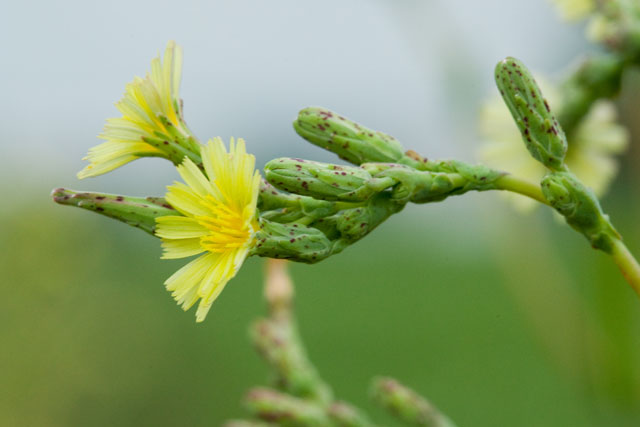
x=592 y=145
x=574 y=10
x=219 y=219
x=151 y=124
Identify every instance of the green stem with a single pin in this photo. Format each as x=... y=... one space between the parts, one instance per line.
x=627 y=264
x=521 y=186
x=623 y=258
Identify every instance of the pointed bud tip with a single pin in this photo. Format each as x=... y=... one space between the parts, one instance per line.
x=61 y=195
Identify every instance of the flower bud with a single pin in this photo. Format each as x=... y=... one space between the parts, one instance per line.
x=138 y=212
x=285 y=409
x=541 y=133
x=580 y=207
x=350 y=225
x=349 y=140
x=291 y=241
x=319 y=180
x=279 y=206
x=406 y=404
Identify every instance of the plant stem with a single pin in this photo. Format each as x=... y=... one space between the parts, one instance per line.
x=627 y=264
x=623 y=258
x=518 y=185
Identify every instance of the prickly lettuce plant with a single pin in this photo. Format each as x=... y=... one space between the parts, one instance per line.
x=224 y=210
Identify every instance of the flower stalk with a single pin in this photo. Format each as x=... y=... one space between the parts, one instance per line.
x=298 y=395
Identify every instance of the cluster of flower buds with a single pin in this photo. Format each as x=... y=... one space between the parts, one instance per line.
x=224 y=211
x=302 y=210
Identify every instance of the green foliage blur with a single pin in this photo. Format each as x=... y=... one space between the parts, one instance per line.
x=499 y=318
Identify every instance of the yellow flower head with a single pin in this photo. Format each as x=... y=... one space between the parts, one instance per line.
x=219 y=219
x=593 y=145
x=574 y=10
x=151 y=118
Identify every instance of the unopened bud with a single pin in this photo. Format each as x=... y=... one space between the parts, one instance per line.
x=284 y=409
x=319 y=180
x=349 y=140
x=138 y=212
x=406 y=404
x=580 y=207
x=541 y=133
x=291 y=241
x=350 y=225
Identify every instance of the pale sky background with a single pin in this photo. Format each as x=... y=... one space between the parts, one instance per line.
x=415 y=69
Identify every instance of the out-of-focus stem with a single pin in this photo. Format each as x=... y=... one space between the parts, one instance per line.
x=627 y=264
x=277 y=340
x=278 y=289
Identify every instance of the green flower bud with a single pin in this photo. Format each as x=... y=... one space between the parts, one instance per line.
x=406 y=404
x=291 y=241
x=581 y=209
x=349 y=140
x=278 y=206
x=136 y=211
x=322 y=180
x=284 y=409
x=542 y=135
x=344 y=415
x=350 y=225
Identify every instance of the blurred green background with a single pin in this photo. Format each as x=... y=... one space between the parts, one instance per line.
x=499 y=318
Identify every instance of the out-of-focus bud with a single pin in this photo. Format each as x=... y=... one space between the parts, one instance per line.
x=320 y=180
x=349 y=140
x=291 y=241
x=284 y=409
x=580 y=207
x=406 y=404
x=138 y=212
x=541 y=133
